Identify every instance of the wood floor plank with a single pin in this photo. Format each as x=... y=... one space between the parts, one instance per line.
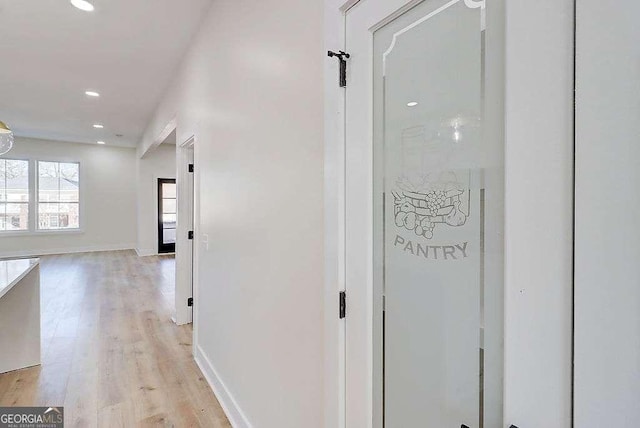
x=111 y=354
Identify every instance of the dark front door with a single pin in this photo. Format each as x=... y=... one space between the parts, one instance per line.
x=167 y=215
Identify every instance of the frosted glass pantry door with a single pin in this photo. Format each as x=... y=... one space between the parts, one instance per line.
x=424 y=214
x=427 y=100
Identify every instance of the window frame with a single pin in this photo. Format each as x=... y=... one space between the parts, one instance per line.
x=36 y=199
x=29 y=203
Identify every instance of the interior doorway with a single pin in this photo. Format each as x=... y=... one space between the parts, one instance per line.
x=187 y=233
x=167 y=213
x=189 y=219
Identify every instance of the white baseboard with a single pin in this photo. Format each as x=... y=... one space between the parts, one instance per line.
x=71 y=250
x=146 y=253
x=230 y=406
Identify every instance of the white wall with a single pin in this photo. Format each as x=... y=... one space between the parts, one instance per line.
x=250 y=92
x=160 y=162
x=108 y=192
x=539 y=213
x=607 y=282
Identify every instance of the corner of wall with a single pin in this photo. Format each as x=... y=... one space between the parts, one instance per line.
x=145 y=252
x=232 y=410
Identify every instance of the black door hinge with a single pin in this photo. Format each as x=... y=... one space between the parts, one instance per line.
x=190 y=301
x=190 y=234
x=343 y=304
x=190 y=167
x=342 y=57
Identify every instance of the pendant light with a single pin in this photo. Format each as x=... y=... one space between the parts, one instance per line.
x=6 y=138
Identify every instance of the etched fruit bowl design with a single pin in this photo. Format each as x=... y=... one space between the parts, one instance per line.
x=422 y=211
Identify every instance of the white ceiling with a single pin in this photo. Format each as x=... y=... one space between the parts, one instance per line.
x=127 y=50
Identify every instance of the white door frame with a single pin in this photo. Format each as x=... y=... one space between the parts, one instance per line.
x=185 y=260
x=538 y=263
x=334 y=205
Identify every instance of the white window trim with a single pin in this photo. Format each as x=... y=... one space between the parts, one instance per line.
x=34 y=202
x=33 y=220
x=29 y=203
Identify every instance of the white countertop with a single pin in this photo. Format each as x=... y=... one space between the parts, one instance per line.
x=12 y=271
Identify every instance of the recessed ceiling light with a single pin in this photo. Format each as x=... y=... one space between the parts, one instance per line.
x=101 y=142
x=412 y=104
x=98 y=126
x=92 y=94
x=83 y=5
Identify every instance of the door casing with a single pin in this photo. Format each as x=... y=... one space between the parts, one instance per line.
x=185 y=248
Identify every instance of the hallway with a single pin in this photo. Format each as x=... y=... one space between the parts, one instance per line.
x=110 y=353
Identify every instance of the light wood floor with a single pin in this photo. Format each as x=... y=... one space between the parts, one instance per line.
x=110 y=352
